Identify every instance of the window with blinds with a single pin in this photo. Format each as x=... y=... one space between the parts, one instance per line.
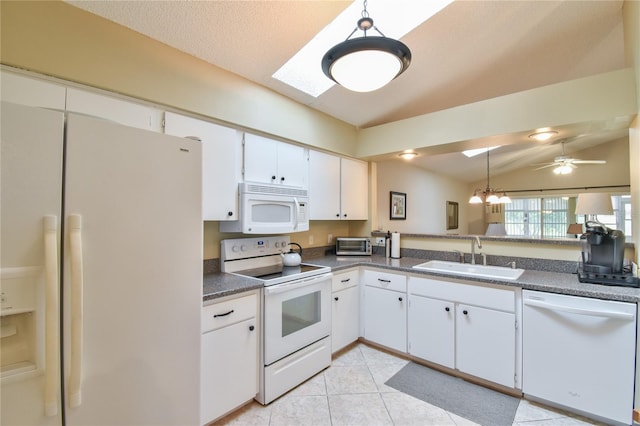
x=549 y=217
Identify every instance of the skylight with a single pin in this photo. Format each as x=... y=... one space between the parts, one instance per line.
x=473 y=152
x=394 y=18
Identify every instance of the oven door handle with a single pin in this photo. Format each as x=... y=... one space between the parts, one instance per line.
x=281 y=288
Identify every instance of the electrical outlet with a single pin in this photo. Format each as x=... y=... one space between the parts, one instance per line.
x=380 y=241
x=310 y=240
x=329 y=238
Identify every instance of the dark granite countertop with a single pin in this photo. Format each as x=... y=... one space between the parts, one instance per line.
x=222 y=284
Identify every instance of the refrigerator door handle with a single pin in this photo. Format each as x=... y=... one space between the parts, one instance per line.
x=75 y=246
x=52 y=330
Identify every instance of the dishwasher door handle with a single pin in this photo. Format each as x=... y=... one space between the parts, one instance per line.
x=580 y=311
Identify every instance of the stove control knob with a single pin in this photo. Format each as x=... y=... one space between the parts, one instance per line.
x=243 y=248
x=283 y=244
x=235 y=249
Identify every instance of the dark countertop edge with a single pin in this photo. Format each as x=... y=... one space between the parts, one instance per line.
x=218 y=285
x=505 y=239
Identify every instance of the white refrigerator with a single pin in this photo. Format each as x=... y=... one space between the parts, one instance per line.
x=101 y=262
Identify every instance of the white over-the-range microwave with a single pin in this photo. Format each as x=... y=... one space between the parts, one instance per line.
x=270 y=209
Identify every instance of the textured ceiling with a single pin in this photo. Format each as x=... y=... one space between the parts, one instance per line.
x=470 y=51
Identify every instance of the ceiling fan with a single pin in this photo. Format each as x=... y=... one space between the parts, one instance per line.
x=565 y=164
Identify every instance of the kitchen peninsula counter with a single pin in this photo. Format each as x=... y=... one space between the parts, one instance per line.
x=217 y=285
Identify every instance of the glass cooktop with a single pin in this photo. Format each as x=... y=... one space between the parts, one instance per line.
x=282 y=273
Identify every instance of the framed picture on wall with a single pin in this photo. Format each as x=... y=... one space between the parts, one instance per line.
x=398 y=206
x=452 y=215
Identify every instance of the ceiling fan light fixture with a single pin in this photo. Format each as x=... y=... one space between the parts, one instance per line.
x=563 y=169
x=365 y=64
x=543 y=136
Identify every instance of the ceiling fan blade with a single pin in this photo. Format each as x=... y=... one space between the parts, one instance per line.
x=545 y=166
x=589 y=162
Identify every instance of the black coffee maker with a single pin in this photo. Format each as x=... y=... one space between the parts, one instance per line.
x=602 y=249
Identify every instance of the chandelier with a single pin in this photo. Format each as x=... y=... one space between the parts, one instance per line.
x=489 y=195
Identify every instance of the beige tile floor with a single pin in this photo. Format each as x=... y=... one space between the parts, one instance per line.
x=352 y=392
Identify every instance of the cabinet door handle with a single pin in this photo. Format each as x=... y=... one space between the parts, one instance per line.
x=229 y=213
x=345 y=215
x=336 y=298
x=345 y=281
x=465 y=312
x=223 y=315
x=400 y=299
x=337 y=214
x=273 y=177
x=251 y=328
x=282 y=179
x=447 y=309
x=384 y=281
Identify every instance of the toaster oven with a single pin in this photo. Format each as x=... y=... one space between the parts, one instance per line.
x=353 y=246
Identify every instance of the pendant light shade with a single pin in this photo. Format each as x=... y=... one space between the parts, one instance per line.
x=365 y=64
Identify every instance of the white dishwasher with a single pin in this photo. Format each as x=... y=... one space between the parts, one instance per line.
x=579 y=353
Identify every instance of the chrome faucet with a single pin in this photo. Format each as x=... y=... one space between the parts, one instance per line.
x=475 y=241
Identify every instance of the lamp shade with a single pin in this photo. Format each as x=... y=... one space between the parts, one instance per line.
x=366 y=64
x=575 y=228
x=594 y=203
x=496 y=229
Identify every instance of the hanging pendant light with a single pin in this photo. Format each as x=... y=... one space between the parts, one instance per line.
x=365 y=64
x=489 y=195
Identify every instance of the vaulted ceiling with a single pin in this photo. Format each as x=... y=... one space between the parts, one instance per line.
x=469 y=51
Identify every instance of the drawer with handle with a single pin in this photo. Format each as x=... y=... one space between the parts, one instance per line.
x=385 y=280
x=344 y=280
x=228 y=312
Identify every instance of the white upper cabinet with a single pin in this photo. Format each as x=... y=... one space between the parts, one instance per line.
x=338 y=188
x=22 y=90
x=221 y=163
x=274 y=162
x=114 y=109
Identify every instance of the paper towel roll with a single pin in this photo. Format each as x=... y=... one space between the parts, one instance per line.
x=395 y=245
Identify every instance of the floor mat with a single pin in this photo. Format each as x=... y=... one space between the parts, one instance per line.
x=473 y=402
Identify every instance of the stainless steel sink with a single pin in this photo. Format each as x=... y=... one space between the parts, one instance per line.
x=469 y=270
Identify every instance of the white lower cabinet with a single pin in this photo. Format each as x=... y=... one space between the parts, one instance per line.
x=431 y=332
x=229 y=355
x=385 y=309
x=467 y=327
x=486 y=343
x=345 y=314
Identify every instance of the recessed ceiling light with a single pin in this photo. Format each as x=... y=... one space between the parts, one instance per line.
x=544 y=135
x=303 y=70
x=410 y=155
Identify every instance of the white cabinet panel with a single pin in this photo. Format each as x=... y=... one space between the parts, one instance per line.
x=117 y=110
x=274 y=162
x=345 y=326
x=485 y=343
x=457 y=325
x=221 y=163
x=229 y=369
x=338 y=187
x=324 y=186
x=431 y=330
x=354 y=190
x=23 y=90
x=385 y=317
x=229 y=355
